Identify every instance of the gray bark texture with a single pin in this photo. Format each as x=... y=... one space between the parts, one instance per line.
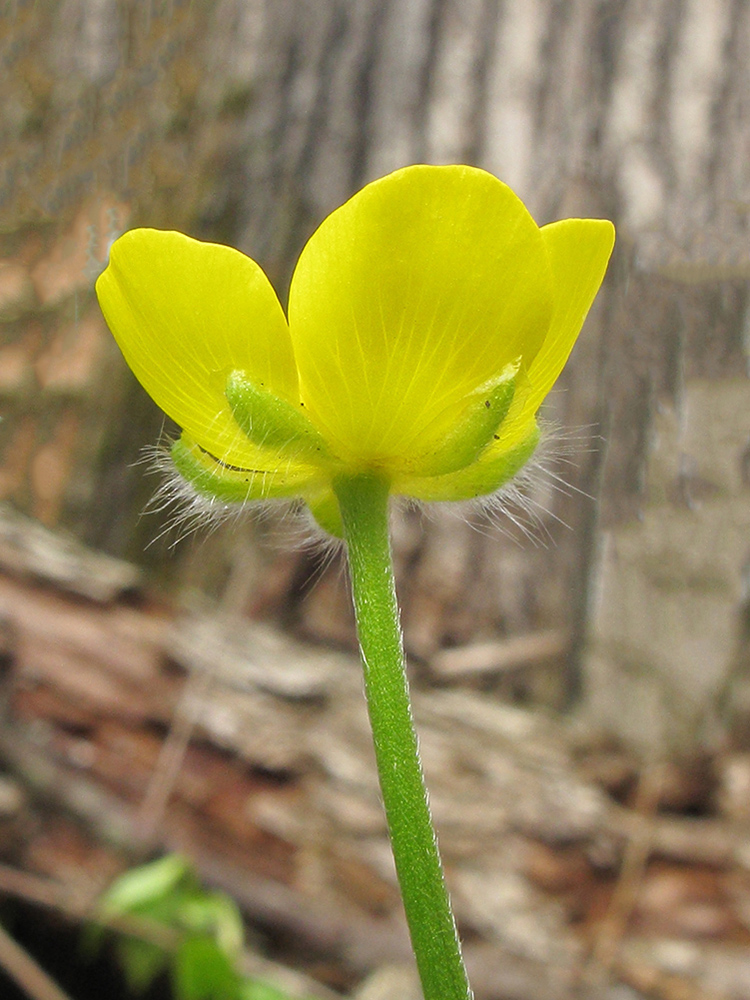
x=247 y=121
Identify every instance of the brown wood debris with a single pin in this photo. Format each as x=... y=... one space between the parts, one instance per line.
x=139 y=728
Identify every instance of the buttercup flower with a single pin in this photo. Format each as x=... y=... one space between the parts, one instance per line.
x=428 y=318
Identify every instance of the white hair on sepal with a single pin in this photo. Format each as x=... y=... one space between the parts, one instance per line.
x=308 y=534
x=188 y=511
x=191 y=512
x=518 y=501
x=326 y=550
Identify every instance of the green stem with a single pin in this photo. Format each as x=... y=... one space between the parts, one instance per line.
x=364 y=510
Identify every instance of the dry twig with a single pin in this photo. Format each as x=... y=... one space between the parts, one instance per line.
x=25 y=971
x=173 y=750
x=634 y=861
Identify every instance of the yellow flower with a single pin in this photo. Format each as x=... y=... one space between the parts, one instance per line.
x=428 y=318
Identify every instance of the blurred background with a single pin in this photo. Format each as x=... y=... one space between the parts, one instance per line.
x=581 y=664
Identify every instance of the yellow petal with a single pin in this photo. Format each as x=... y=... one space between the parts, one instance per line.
x=578 y=251
x=186 y=314
x=423 y=286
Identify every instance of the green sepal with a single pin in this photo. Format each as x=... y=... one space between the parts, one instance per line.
x=212 y=478
x=484 y=410
x=325 y=509
x=480 y=479
x=272 y=422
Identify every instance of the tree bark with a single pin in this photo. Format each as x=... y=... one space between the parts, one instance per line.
x=247 y=121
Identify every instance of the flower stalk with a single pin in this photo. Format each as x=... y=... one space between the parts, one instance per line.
x=363 y=500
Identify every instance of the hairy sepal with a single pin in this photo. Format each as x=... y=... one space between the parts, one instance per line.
x=483 y=413
x=482 y=478
x=271 y=422
x=212 y=478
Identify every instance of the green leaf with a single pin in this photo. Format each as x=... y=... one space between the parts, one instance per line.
x=141 y=962
x=255 y=989
x=202 y=971
x=216 y=915
x=141 y=887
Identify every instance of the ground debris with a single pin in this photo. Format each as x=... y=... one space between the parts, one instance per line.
x=573 y=871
